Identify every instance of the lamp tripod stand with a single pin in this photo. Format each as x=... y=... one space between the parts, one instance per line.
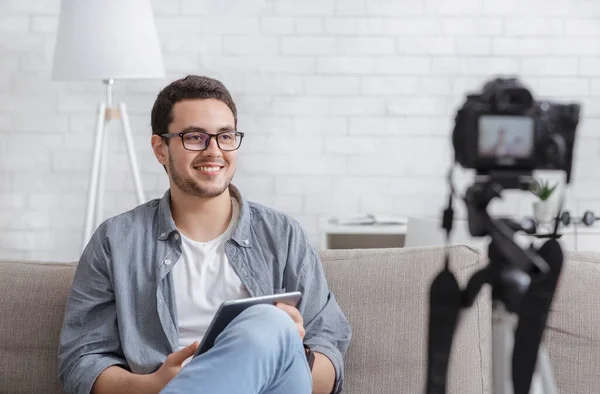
x=95 y=200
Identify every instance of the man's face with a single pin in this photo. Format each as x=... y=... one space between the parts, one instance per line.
x=501 y=135
x=204 y=173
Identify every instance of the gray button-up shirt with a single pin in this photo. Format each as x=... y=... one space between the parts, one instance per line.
x=121 y=308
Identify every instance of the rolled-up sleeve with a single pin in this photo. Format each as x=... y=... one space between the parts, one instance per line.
x=327 y=329
x=89 y=340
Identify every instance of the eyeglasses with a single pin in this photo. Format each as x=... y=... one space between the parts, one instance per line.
x=199 y=140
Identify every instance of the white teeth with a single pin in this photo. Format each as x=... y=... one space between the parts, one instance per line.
x=209 y=169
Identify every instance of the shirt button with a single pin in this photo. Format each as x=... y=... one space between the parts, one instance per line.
x=163 y=234
x=246 y=242
x=167 y=262
x=176 y=236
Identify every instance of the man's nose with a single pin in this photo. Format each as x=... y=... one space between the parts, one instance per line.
x=213 y=147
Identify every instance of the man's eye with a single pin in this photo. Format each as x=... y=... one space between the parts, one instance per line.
x=193 y=137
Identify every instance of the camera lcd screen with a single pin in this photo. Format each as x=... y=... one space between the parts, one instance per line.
x=506 y=137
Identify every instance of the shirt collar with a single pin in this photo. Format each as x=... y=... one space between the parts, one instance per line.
x=240 y=234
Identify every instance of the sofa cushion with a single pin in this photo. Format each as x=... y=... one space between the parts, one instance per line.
x=385 y=293
x=32 y=303
x=573 y=330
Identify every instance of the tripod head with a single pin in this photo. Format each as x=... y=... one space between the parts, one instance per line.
x=510 y=266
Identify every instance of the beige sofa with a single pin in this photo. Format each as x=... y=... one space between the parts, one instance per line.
x=384 y=294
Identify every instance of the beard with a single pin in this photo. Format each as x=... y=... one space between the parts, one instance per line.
x=193 y=187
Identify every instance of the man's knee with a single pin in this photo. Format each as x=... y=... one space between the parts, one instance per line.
x=266 y=327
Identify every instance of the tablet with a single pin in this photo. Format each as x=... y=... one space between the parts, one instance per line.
x=230 y=309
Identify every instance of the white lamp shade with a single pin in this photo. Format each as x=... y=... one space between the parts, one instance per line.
x=107 y=39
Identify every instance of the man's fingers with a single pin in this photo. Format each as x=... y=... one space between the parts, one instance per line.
x=295 y=315
x=194 y=346
x=180 y=356
x=292 y=311
x=301 y=331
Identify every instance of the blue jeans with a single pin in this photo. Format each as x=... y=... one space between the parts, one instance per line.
x=260 y=352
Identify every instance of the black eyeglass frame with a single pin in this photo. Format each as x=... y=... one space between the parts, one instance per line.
x=210 y=136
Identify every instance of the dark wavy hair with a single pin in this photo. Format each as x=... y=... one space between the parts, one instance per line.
x=188 y=88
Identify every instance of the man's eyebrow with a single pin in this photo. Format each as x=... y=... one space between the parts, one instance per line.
x=201 y=130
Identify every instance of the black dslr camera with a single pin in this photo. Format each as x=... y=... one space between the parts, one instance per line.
x=504 y=128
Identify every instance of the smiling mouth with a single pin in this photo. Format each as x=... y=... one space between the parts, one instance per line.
x=208 y=169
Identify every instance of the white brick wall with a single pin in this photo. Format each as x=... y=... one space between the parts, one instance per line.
x=348 y=105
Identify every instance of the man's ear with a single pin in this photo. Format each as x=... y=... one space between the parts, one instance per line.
x=160 y=149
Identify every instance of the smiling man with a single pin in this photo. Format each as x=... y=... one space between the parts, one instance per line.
x=150 y=280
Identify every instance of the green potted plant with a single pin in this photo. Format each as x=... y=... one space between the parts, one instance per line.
x=544 y=209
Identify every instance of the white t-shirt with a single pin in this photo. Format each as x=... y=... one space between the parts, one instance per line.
x=203 y=279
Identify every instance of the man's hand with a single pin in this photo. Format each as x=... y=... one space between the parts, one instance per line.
x=115 y=379
x=172 y=365
x=323 y=372
x=295 y=315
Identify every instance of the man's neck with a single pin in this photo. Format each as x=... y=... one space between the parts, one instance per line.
x=201 y=219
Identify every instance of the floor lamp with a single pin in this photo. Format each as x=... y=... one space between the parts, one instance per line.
x=107 y=40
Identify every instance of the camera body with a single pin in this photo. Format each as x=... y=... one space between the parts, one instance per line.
x=504 y=129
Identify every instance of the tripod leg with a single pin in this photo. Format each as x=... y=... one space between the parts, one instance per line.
x=545 y=371
x=93 y=186
x=135 y=172
x=502 y=346
x=101 y=179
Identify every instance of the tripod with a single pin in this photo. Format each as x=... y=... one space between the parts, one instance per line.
x=95 y=201
x=523 y=282
x=509 y=287
x=503 y=331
